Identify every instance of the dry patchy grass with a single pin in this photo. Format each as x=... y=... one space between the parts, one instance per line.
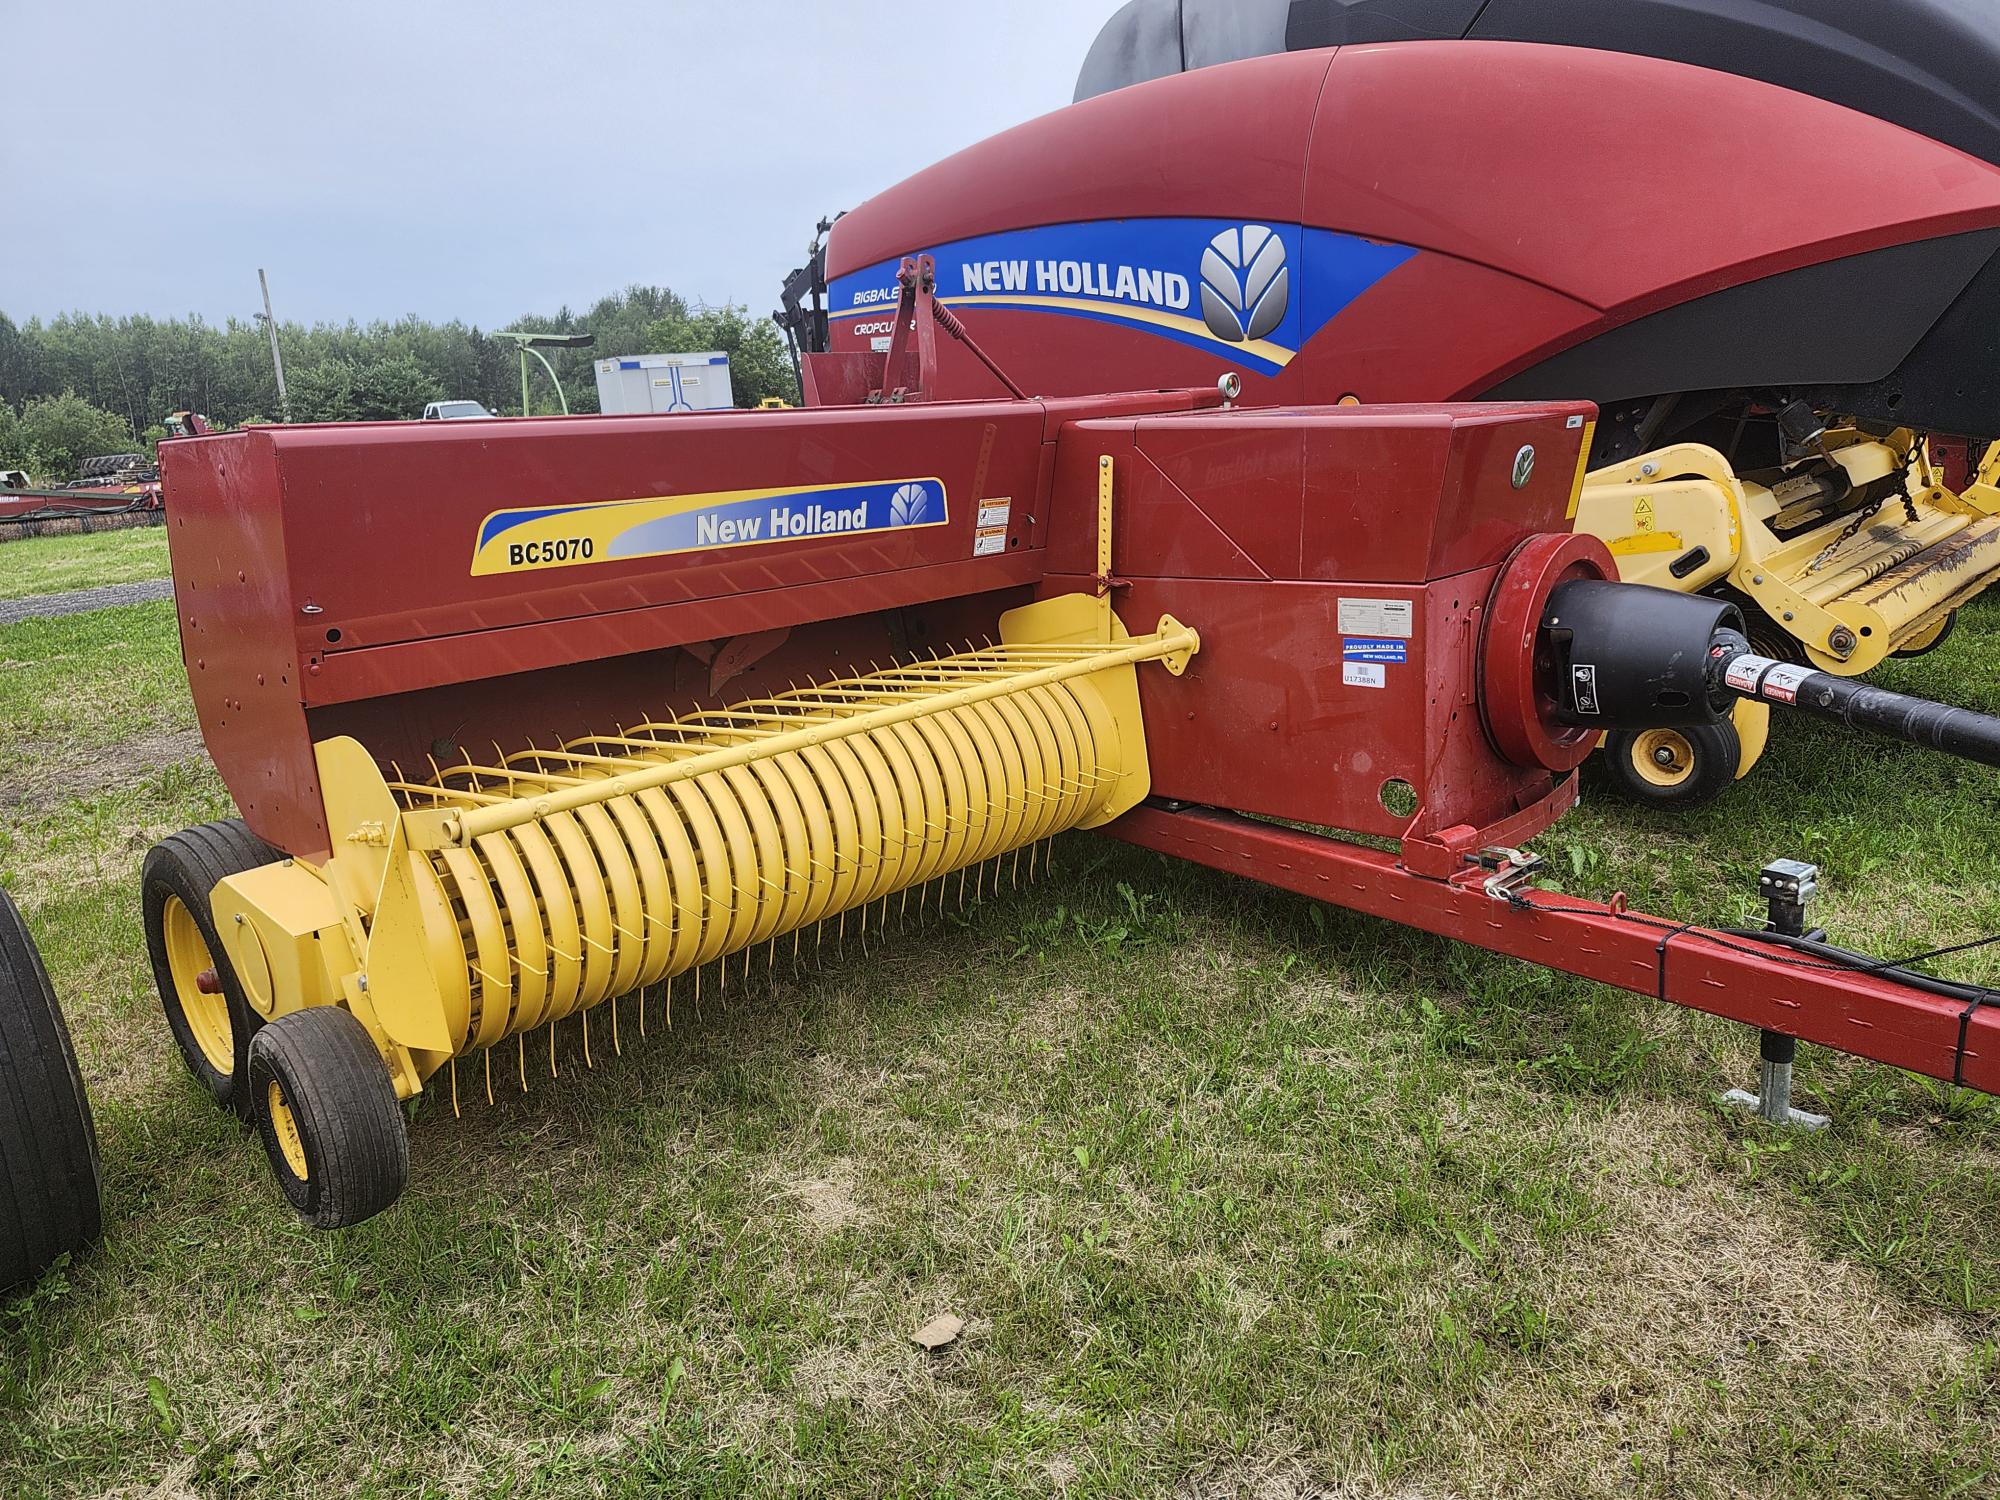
x=1238 y=1196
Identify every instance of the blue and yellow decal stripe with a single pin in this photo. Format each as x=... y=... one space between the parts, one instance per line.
x=1155 y=276
x=530 y=538
x=1269 y=355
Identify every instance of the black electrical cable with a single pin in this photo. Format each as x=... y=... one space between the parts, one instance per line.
x=1847 y=958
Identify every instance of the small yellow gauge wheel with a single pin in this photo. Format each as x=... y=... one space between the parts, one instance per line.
x=207 y=1012
x=1927 y=641
x=1678 y=769
x=285 y=1131
x=328 y=1116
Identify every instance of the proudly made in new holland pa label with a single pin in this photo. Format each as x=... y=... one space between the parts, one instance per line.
x=543 y=536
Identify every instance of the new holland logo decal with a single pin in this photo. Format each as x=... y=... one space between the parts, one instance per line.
x=529 y=538
x=1249 y=291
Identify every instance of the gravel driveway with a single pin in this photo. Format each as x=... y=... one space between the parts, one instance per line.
x=13 y=611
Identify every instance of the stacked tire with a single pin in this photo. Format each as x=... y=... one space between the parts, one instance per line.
x=48 y=1145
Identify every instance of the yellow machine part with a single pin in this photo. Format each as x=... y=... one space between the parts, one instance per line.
x=485 y=902
x=1850 y=594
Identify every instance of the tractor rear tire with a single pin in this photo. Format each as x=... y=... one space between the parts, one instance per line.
x=49 y=1202
x=111 y=463
x=1676 y=770
x=328 y=1115
x=211 y=1018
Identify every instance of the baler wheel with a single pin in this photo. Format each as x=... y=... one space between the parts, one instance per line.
x=48 y=1147
x=1675 y=769
x=1924 y=645
x=328 y=1116
x=207 y=1011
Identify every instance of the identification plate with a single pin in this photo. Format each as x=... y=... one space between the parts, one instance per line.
x=1395 y=617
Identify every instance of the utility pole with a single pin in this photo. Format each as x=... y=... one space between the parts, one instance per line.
x=534 y=343
x=277 y=360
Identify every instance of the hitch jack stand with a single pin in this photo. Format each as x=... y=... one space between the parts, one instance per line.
x=1787 y=885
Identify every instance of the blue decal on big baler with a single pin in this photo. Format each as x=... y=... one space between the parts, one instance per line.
x=1253 y=293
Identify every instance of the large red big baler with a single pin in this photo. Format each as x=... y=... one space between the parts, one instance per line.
x=532 y=723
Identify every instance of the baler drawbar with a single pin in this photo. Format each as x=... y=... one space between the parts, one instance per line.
x=434 y=668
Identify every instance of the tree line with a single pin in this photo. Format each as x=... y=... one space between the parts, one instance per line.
x=78 y=385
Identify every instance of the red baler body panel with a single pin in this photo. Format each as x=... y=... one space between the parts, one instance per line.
x=354 y=580
x=1451 y=213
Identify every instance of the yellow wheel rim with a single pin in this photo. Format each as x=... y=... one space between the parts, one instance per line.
x=207 y=1016
x=1924 y=639
x=286 y=1129
x=1663 y=757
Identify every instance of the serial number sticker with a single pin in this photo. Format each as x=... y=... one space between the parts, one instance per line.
x=1781 y=683
x=1395 y=617
x=1390 y=651
x=1366 y=674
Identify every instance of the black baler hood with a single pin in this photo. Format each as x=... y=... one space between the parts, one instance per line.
x=1932 y=66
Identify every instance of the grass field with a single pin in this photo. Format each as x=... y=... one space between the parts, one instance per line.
x=1238 y=1195
x=55 y=564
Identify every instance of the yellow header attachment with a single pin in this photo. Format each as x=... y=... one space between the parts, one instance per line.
x=491 y=900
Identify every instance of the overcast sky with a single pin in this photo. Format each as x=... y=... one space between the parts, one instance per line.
x=477 y=161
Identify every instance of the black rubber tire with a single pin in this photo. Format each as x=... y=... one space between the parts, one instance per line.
x=1717 y=751
x=342 y=1103
x=1950 y=624
x=112 y=463
x=188 y=867
x=1768 y=638
x=48 y=1144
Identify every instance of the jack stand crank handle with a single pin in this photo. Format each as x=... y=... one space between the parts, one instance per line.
x=1787 y=885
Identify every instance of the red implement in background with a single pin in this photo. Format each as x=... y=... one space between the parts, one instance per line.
x=1450 y=220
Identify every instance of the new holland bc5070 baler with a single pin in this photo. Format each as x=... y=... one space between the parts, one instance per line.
x=534 y=726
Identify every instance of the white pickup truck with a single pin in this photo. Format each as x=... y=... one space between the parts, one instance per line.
x=454 y=411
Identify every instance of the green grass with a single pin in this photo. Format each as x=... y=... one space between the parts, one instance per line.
x=57 y=564
x=1238 y=1194
x=90 y=699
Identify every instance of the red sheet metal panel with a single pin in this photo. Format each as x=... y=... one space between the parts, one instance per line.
x=1449 y=212
x=327 y=567
x=1338 y=564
